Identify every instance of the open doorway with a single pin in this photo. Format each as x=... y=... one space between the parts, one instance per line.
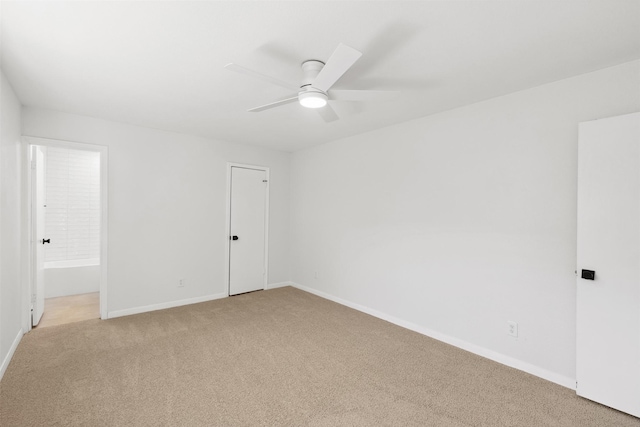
x=68 y=229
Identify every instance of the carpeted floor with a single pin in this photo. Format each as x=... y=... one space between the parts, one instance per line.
x=277 y=357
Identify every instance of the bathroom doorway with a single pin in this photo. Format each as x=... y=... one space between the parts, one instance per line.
x=67 y=212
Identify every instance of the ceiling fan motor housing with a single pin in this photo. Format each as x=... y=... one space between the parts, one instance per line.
x=310 y=70
x=310 y=96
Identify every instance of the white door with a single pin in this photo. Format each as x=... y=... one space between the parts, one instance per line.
x=247 y=260
x=38 y=232
x=608 y=307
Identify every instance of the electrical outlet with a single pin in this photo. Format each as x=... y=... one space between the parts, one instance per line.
x=181 y=283
x=513 y=328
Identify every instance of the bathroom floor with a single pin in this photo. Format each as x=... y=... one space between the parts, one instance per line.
x=69 y=309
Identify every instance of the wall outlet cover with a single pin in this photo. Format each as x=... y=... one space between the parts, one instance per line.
x=512 y=328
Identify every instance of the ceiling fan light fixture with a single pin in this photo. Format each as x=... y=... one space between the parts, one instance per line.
x=312 y=99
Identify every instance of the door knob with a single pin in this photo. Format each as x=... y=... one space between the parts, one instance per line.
x=234 y=237
x=46 y=241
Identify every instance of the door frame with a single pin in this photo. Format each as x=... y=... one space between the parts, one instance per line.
x=227 y=264
x=27 y=220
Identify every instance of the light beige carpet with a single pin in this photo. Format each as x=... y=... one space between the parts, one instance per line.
x=278 y=357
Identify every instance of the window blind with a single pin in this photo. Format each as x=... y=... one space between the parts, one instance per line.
x=72 y=215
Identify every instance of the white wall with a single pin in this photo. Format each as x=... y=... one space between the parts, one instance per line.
x=65 y=281
x=457 y=222
x=167 y=207
x=10 y=202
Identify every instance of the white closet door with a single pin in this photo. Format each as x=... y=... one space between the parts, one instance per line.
x=248 y=227
x=608 y=307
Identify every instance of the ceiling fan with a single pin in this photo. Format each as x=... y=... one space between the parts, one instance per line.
x=317 y=79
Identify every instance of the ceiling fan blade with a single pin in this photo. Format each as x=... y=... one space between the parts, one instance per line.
x=327 y=113
x=240 y=69
x=362 y=95
x=274 y=104
x=340 y=61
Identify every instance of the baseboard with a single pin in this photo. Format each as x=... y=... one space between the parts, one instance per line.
x=164 y=305
x=456 y=342
x=278 y=285
x=12 y=349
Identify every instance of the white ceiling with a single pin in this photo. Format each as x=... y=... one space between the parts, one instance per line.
x=160 y=64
